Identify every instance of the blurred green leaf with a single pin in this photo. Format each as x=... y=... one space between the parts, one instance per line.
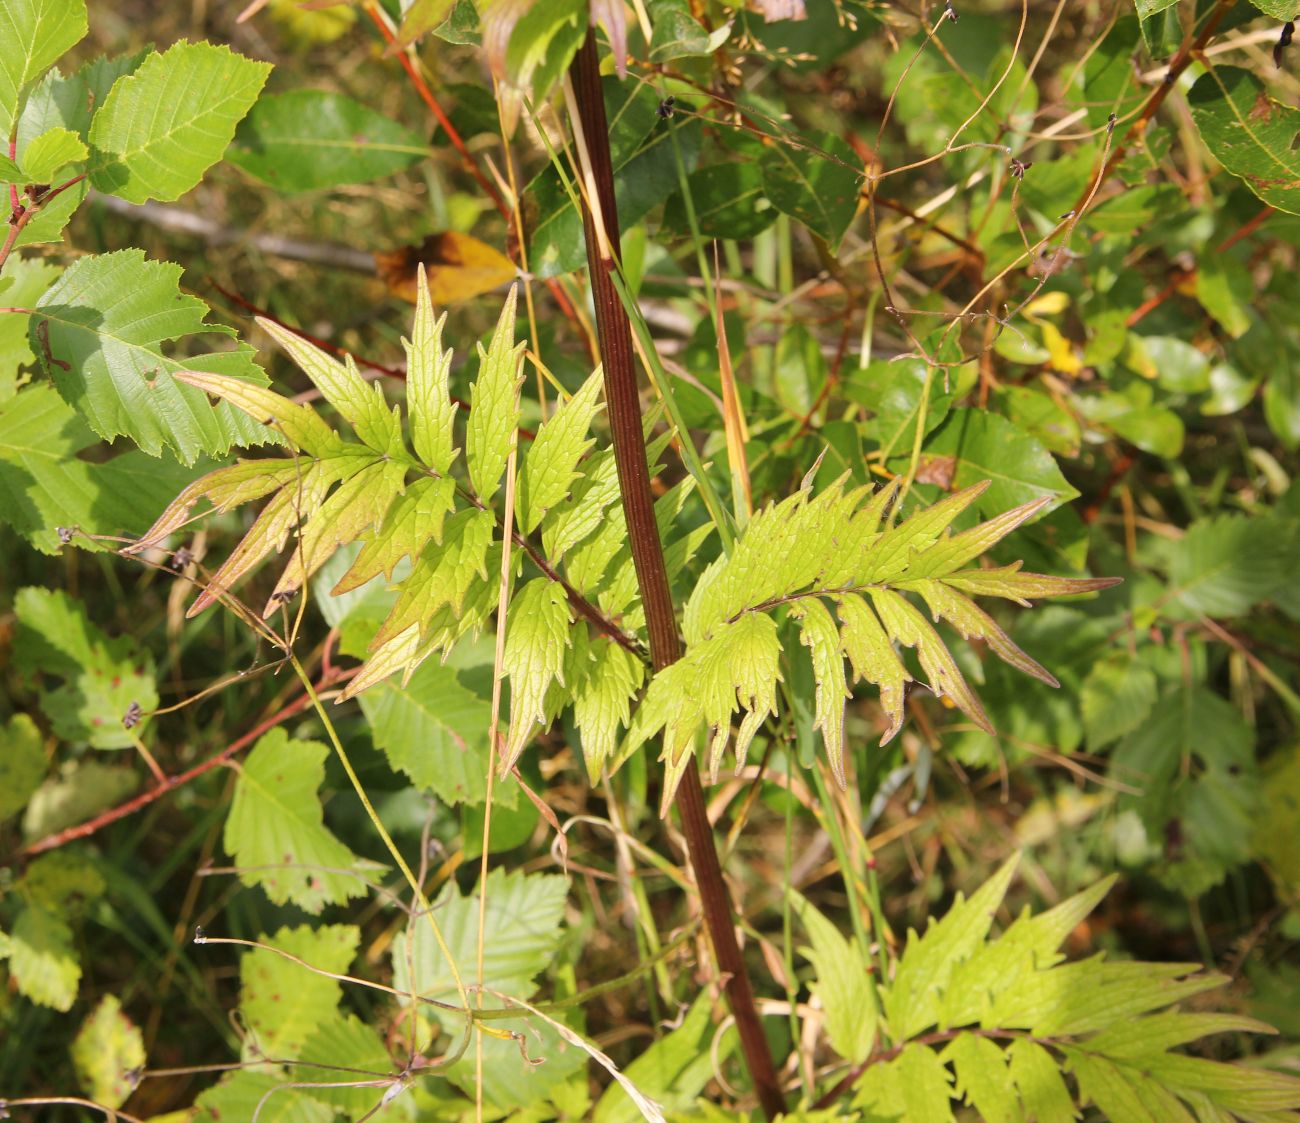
x=102 y=677
x=307 y=140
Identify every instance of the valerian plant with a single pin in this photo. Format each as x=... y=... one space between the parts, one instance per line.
x=877 y=512
x=576 y=632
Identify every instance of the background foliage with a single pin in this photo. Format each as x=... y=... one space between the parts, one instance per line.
x=957 y=287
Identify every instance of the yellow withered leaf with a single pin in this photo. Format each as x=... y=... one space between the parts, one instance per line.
x=458 y=267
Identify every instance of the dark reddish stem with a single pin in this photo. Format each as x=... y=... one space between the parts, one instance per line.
x=623 y=401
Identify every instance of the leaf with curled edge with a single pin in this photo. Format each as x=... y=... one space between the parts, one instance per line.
x=907 y=626
x=972 y=622
x=873 y=658
x=822 y=638
x=352 y=509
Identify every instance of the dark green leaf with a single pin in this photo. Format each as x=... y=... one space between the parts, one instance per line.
x=1250 y=133
x=310 y=139
x=819 y=185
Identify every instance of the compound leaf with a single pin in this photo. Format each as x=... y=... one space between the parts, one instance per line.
x=494 y=405
x=537 y=638
x=550 y=466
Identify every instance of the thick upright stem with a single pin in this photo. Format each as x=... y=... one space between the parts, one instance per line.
x=623 y=402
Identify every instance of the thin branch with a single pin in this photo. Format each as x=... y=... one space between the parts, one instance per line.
x=172 y=783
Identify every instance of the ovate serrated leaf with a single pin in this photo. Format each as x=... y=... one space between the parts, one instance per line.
x=434 y=730
x=50 y=153
x=71 y=101
x=1223 y=566
x=842 y=984
x=281 y=1002
x=1038 y=1080
x=428 y=369
x=44 y=485
x=102 y=677
x=163 y=126
x=107 y=1050
x=99 y=332
x=552 y=459
x=494 y=405
x=42 y=960
x=907 y=626
x=820 y=635
x=537 y=637
x=524 y=914
x=22 y=764
x=33 y=34
x=275 y=832
x=1117 y=698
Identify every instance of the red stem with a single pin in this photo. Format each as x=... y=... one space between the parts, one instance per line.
x=623 y=401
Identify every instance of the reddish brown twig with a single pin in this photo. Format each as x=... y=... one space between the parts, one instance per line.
x=171 y=783
x=1192 y=45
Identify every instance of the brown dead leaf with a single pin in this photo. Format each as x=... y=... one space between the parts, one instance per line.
x=458 y=266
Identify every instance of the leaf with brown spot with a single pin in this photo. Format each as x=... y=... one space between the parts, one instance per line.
x=1250 y=133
